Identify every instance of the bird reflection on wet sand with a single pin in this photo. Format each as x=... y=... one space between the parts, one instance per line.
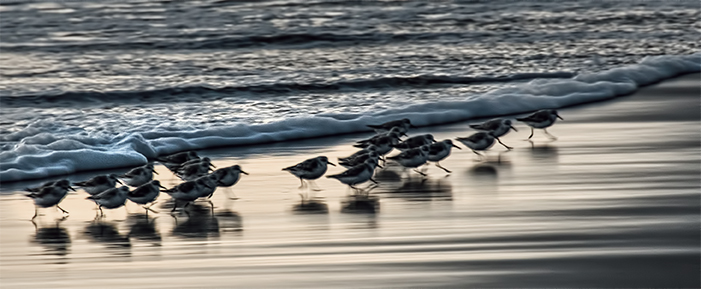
x=229 y=221
x=101 y=231
x=143 y=228
x=54 y=239
x=360 y=203
x=423 y=190
x=544 y=152
x=310 y=206
x=199 y=223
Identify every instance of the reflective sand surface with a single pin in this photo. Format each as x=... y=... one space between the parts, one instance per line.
x=614 y=202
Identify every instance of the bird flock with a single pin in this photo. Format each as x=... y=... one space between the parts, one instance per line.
x=200 y=179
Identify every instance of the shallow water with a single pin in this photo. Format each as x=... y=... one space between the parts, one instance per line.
x=613 y=203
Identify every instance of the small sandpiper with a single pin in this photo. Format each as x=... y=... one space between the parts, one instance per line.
x=357 y=174
x=413 y=158
x=541 y=119
x=415 y=142
x=99 y=184
x=404 y=124
x=478 y=142
x=111 y=199
x=498 y=127
x=310 y=169
x=439 y=151
x=178 y=158
x=146 y=193
x=188 y=192
x=49 y=196
x=139 y=176
x=227 y=177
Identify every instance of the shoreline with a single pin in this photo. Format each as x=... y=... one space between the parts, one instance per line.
x=615 y=198
x=326 y=138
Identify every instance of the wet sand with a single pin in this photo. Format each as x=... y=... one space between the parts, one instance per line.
x=613 y=203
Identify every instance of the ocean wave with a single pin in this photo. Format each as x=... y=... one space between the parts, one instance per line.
x=199 y=92
x=46 y=155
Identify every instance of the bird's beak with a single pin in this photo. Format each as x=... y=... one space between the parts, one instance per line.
x=331 y=163
x=162 y=187
x=244 y=172
x=211 y=165
x=71 y=188
x=512 y=127
x=457 y=147
x=559 y=117
x=379 y=166
x=155 y=172
x=120 y=182
x=403 y=134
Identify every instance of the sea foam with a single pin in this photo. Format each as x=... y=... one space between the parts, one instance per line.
x=43 y=154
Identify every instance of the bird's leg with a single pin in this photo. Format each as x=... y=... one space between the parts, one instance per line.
x=479 y=155
x=62 y=210
x=552 y=137
x=446 y=170
x=229 y=190
x=175 y=206
x=212 y=205
x=313 y=186
x=420 y=172
x=301 y=186
x=148 y=208
x=36 y=213
x=102 y=214
x=507 y=147
x=530 y=136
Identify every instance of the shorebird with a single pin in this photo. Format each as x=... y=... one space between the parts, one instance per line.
x=187 y=192
x=139 y=176
x=439 y=151
x=541 y=119
x=359 y=159
x=395 y=131
x=478 y=142
x=415 y=141
x=413 y=158
x=310 y=169
x=63 y=182
x=357 y=174
x=370 y=148
x=404 y=124
x=146 y=193
x=178 y=158
x=99 y=184
x=111 y=199
x=498 y=127
x=227 y=177
x=194 y=170
x=49 y=196
x=383 y=143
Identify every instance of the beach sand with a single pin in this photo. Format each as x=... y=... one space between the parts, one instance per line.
x=614 y=202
